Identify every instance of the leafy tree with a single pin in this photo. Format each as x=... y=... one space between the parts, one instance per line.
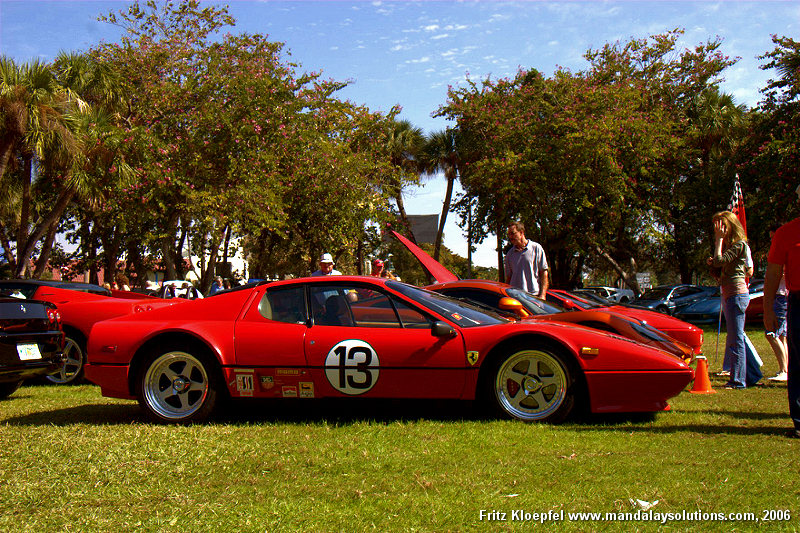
x=691 y=180
x=566 y=155
x=228 y=137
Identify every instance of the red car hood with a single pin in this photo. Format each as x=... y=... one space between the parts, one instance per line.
x=437 y=271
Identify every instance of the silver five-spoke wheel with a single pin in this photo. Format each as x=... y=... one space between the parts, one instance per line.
x=176 y=387
x=533 y=385
x=72 y=369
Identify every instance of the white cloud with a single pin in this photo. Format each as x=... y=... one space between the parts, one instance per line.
x=431 y=27
x=424 y=59
x=498 y=18
x=440 y=36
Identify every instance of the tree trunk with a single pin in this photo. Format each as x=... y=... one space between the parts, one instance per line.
x=628 y=277
x=470 y=275
x=167 y=255
x=25 y=209
x=135 y=258
x=25 y=251
x=47 y=248
x=404 y=217
x=501 y=266
x=445 y=210
x=6 y=150
x=111 y=244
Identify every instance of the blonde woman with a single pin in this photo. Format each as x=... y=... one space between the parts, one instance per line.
x=730 y=260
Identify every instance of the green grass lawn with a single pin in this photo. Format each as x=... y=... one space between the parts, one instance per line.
x=71 y=460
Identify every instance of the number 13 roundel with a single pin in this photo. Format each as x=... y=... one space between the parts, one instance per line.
x=352 y=367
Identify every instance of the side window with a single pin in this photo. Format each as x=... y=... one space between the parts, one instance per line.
x=357 y=306
x=681 y=292
x=411 y=318
x=284 y=305
x=331 y=305
x=374 y=311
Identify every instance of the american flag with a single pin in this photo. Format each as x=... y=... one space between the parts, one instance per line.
x=737 y=204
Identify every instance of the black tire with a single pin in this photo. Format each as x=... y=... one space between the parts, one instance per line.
x=7 y=389
x=532 y=384
x=71 y=372
x=179 y=386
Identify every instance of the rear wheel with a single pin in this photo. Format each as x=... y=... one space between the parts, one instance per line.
x=178 y=386
x=533 y=385
x=7 y=389
x=72 y=369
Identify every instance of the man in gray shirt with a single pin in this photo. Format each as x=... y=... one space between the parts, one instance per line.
x=525 y=263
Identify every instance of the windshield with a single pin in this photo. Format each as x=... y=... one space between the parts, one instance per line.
x=580 y=302
x=658 y=293
x=595 y=298
x=460 y=312
x=534 y=304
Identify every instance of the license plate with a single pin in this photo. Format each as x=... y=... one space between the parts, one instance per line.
x=28 y=352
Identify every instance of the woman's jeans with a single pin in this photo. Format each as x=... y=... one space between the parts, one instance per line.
x=734 y=308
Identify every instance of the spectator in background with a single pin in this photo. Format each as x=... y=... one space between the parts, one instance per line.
x=730 y=264
x=379 y=271
x=122 y=282
x=216 y=286
x=526 y=263
x=326 y=266
x=784 y=260
x=777 y=338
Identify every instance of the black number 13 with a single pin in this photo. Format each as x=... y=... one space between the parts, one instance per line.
x=346 y=378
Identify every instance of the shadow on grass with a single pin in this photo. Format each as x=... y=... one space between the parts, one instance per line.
x=347 y=411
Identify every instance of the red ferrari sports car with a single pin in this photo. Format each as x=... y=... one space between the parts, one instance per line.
x=343 y=336
x=679 y=338
x=677 y=329
x=80 y=306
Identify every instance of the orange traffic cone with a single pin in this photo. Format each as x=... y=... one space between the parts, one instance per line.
x=702 y=385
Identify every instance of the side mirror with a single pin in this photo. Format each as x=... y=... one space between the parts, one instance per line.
x=512 y=304
x=441 y=329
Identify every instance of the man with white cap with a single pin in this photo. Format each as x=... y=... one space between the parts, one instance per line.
x=784 y=259
x=326 y=266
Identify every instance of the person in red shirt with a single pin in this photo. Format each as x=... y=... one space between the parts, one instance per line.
x=784 y=259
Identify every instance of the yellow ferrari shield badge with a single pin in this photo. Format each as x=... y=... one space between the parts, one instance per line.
x=472 y=358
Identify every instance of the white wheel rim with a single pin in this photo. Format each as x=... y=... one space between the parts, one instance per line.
x=175 y=385
x=531 y=385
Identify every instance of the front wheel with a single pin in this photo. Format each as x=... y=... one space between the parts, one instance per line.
x=178 y=386
x=533 y=385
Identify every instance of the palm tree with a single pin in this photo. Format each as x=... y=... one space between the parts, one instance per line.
x=715 y=121
x=405 y=144
x=441 y=155
x=34 y=127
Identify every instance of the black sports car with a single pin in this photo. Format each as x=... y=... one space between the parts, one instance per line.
x=31 y=342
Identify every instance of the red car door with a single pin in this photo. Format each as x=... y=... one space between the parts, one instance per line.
x=366 y=342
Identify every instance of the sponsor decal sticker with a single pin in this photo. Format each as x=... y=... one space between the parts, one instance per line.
x=267 y=382
x=289 y=391
x=472 y=358
x=352 y=367
x=288 y=372
x=244 y=382
x=306 y=389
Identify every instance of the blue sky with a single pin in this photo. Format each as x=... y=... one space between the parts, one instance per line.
x=408 y=53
